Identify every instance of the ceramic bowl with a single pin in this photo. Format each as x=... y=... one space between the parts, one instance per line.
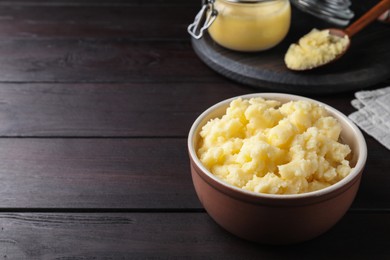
x=270 y=218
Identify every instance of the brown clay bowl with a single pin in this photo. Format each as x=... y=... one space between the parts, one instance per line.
x=276 y=219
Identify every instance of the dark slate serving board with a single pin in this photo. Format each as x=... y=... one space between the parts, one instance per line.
x=366 y=63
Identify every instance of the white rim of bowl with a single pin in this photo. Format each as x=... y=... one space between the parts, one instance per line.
x=279 y=96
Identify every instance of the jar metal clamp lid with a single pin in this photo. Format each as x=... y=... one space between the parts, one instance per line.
x=206 y=15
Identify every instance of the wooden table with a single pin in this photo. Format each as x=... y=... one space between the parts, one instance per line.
x=96 y=100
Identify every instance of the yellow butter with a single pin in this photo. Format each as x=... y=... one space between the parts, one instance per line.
x=268 y=147
x=314 y=49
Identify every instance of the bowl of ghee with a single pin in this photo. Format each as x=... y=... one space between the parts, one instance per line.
x=244 y=25
x=281 y=203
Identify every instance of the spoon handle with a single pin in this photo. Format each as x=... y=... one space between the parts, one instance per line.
x=368 y=17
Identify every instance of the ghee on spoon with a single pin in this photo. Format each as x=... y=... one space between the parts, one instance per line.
x=319 y=48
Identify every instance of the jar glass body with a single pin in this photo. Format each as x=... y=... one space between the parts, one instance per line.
x=250 y=26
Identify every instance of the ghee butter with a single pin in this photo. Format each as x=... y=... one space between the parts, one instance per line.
x=314 y=49
x=268 y=147
x=250 y=25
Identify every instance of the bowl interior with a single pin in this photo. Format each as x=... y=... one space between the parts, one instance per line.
x=350 y=135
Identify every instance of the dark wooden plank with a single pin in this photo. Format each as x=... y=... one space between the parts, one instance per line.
x=95 y=173
x=128 y=174
x=107 y=109
x=175 y=235
x=21 y=3
x=99 y=60
x=97 y=20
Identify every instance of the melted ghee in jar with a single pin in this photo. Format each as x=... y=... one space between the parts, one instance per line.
x=251 y=26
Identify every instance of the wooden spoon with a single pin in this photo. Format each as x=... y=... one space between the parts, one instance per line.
x=363 y=21
x=354 y=28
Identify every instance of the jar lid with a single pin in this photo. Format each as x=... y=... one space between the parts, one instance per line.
x=333 y=11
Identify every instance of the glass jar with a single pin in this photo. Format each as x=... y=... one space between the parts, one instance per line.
x=243 y=25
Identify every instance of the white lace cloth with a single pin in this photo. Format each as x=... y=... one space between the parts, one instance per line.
x=373 y=115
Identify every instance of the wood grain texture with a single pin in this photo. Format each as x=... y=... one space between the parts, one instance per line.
x=95 y=173
x=90 y=41
x=96 y=19
x=99 y=60
x=174 y=235
x=61 y=3
x=128 y=174
x=107 y=110
x=360 y=67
